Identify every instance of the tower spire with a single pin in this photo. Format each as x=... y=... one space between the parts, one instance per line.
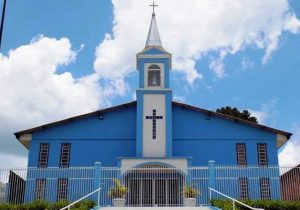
x=153 y=38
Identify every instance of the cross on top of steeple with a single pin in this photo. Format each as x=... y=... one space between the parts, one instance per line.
x=153 y=5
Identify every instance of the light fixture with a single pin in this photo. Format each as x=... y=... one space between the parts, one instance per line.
x=208 y=115
x=100 y=115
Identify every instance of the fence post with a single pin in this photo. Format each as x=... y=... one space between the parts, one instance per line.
x=211 y=174
x=97 y=169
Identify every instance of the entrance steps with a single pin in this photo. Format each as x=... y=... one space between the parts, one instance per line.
x=160 y=208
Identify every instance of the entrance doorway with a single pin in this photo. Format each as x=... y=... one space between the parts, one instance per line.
x=152 y=186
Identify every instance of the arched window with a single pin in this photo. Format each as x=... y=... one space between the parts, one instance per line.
x=154 y=77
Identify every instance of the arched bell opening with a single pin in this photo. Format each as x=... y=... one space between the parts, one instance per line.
x=154 y=185
x=154 y=76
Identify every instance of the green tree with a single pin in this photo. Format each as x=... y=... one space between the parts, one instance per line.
x=245 y=114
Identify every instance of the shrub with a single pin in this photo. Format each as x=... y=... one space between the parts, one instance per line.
x=38 y=205
x=222 y=204
x=118 y=191
x=264 y=204
x=42 y=205
x=190 y=192
x=8 y=207
x=84 y=205
x=58 y=205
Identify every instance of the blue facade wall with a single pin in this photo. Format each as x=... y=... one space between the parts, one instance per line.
x=194 y=136
x=215 y=139
x=91 y=139
x=115 y=136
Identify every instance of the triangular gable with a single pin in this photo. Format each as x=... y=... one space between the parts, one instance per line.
x=153 y=50
x=156 y=52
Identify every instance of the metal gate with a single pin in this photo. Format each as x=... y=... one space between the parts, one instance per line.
x=153 y=186
x=154 y=192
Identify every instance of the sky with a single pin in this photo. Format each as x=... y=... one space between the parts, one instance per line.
x=64 y=58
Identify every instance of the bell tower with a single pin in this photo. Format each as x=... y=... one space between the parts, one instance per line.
x=154 y=97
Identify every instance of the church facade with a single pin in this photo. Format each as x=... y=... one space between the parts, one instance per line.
x=152 y=131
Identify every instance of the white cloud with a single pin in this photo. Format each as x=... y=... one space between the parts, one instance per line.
x=187 y=67
x=217 y=65
x=246 y=63
x=32 y=89
x=267 y=112
x=133 y=96
x=292 y=24
x=191 y=30
x=179 y=98
x=261 y=116
x=290 y=155
x=32 y=93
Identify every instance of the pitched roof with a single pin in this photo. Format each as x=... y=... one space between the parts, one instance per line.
x=133 y=103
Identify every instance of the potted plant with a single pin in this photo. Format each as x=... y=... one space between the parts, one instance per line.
x=189 y=194
x=117 y=193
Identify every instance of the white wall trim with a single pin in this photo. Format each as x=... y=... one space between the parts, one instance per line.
x=154 y=147
x=140 y=56
x=154 y=56
x=180 y=163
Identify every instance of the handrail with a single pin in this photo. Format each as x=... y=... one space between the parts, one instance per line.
x=233 y=200
x=80 y=199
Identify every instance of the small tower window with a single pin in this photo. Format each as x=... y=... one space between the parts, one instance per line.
x=154 y=77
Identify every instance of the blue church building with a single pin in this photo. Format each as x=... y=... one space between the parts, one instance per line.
x=154 y=132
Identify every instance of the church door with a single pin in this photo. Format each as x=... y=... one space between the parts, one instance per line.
x=153 y=192
x=152 y=189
